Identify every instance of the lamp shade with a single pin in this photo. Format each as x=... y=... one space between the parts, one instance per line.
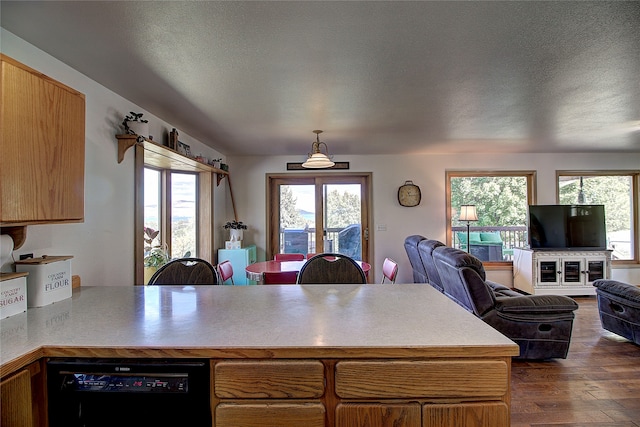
x=468 y=213
x=317 y=161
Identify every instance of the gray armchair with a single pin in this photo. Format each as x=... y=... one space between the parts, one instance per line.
x=540 y=324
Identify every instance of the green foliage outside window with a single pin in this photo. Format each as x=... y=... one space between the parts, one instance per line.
x=612 y=191
x=290 y=216
x=500 y=201
x=344 y=209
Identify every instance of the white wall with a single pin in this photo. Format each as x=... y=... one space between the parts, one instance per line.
x=102 y=246
x=427 y=171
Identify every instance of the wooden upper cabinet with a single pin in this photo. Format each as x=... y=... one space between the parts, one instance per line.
x=42 y=148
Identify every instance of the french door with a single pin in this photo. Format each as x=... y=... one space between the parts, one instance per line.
x=320 y=213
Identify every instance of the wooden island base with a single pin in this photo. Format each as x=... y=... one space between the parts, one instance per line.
x=316 y=355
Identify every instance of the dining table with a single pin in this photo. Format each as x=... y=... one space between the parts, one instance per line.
x=256 y=270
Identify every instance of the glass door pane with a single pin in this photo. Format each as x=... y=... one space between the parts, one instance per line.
x=297 y=219
x=342 y=219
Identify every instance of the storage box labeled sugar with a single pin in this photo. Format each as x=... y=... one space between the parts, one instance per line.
x=49 y=279
x=13 y=294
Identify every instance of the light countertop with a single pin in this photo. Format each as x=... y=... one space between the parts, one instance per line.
x=266 y=321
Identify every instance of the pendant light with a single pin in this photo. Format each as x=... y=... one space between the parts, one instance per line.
x=318 y=159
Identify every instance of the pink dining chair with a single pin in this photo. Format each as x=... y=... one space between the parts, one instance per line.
x=310 y=255
x=389 y=270
x=225 y=269
x=279 y=277
x=289 y=257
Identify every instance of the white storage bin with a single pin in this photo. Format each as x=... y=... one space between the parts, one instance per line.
x=13 y=294
x=49 y=279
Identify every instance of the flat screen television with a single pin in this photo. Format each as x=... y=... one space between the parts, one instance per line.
x=567 y=227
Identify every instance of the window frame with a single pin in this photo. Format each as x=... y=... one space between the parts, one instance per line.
x=635 y=203
x=318 y=179
x=204 y=197
x=529 y=175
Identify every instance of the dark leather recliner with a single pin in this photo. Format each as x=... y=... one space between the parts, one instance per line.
x=411 y=247
x=619 y=308
x=425 y=248
x=541 y=325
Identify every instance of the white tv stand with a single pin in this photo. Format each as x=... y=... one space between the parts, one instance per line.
x=559 y=272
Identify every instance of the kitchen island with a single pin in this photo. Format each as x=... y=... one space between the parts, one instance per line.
x=326 y=354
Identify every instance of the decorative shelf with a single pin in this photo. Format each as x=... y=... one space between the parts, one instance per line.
x=163 y=157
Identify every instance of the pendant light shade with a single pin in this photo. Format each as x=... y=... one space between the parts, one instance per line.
x=317 y=158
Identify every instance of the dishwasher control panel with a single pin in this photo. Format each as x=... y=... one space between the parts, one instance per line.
x=124 y=383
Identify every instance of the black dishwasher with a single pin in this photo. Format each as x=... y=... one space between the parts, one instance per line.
x=128 y=392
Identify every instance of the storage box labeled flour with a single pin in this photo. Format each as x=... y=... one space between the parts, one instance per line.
x=13 y=294
x=49 y=279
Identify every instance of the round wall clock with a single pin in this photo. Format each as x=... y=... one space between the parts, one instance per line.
x=409 y=194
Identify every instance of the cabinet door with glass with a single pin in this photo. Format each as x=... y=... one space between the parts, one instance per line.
x=548 y=271
x=570 y=271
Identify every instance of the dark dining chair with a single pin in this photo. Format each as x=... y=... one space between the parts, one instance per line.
x=289 y=257
x=331 y=268
x=279 y=277
x=185 y=271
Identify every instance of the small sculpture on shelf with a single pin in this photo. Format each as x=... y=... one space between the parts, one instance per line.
x=134 y=124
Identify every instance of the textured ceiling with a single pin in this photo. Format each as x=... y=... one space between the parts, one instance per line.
x=378 y=77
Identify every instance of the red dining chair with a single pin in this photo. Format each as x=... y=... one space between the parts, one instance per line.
x=289 y=257
x=310 y=255
x=279 y=277
x=389 y=270
x=225 y=269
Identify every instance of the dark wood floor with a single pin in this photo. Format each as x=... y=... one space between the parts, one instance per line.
x=598 y=384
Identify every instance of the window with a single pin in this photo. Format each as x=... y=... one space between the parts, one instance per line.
x=501 y=200
x=320 y=213
x=618 y=192
x=178 y=225
x=174 y=196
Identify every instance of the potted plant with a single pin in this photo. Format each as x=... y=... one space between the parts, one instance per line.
x=155 y=255
x=235 y=229
x=134 y=124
